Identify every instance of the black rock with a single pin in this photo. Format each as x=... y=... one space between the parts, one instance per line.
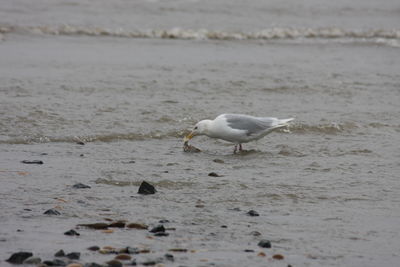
x=149 y=263
x=80 y=186
x=169 y=257
x=32 y=161
x=161 y=234
x=253 y=213
x=94 y=248
x=224 y=226
x=60 y=253
x=214 y=174
x=19 y=257
x=55 y=262
x=146 y=189
x=264 y=243
x=114 y=263
x=73 y=255
x=52 y=212
x=80 y=143
x=249 y=250
x=92 y=264
x=163 y=221
x=255 y=233
x=157 y=229
x=72 y=232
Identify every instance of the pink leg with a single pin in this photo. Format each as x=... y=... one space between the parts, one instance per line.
x=240 y=147
x=235 y=149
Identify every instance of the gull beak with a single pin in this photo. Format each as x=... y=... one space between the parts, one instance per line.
x=188 y=137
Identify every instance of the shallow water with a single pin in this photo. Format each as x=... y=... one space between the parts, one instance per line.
x=326 y=188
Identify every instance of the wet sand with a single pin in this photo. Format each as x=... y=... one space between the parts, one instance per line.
x=111 y=111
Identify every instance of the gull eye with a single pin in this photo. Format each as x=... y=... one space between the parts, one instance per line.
x=195 y=128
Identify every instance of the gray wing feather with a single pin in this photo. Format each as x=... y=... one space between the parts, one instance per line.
x=252 y=125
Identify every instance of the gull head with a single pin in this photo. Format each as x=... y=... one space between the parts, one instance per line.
x=201 y=128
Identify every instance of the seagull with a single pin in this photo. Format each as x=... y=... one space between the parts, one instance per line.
x=237 y=128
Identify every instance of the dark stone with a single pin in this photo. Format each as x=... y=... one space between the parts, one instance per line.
x=114 y=263
x=157 y=229
x=218 y=161
x=92 y=264
x=214 y=174
x=19 y=257
x=264 y=243
x=149 y=263
x=118 y=224
x=55 y=262
x=255 y=233
x=32 y=161
x=169 y=257
x=137 y=226
x=94 y=248
x=249 y=250
x=161 y=234
x=80 y=186
x=72 y=232
x=133 y=263
x=163 y=221
x=80 y=143
x=32 y=260
x=73 y=255
x=52 y=212
x=146 y=189
x=253 y=213
x=97 y=226
x=60 y=253
x=224 y=226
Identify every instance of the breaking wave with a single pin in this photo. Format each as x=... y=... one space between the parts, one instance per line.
x=380 y=36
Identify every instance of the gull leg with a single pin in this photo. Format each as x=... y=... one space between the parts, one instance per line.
x=240 y=147
x=235 y=149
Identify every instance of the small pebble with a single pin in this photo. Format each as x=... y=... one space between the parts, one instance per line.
x=224 y=226
x=74 y=265
x=80 y=186
x=278 y=257
x=60 y=253
x=214 y=174
x=72 y=232
x=146 y=189
x=163 y=221
x=137 y=226
x=218 y=161
x=94 y=248
x=123 y=257
x=119 y=224
x=73 y=255
x=19 y=257
x=149 y=263
x=255 y=233
x=32 y=161
x=80 y=143
x=97 y=226
x=249 y=250
x=161 y=234
x=178 y=250
x=159 y=228
x=264 y=243
x=52 y=212
x=107 y=231
x=169 y=257
x=253 y=213
x=261 y=254
x=93 y=264
x=114 y=263
x=32 y=260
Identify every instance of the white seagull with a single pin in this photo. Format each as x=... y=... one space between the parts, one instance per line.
x=237 y=128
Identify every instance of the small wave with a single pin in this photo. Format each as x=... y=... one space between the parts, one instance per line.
x=329 y=128
x=381 y=36
x=106 y=138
